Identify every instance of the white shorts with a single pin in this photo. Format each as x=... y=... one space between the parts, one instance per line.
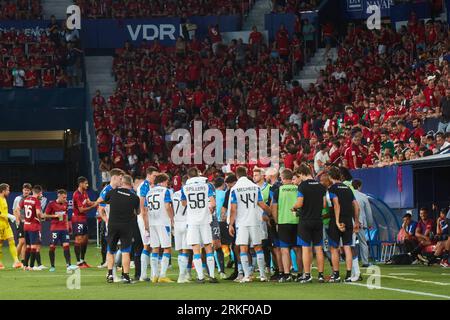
x=145 y=240
x=160 y=237
x=199 y=234
x=248 y=235
x=180 y=235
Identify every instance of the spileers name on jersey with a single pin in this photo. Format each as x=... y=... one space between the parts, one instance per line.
x=196 y=193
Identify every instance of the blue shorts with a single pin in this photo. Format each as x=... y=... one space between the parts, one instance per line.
x=80 y=228
x=59 y=237
x=32 y=237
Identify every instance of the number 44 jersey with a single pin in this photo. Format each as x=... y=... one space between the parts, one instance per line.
x=197 y=192
x=246 y=195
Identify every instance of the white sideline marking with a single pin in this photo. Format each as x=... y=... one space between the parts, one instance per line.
x=402 y=274
x=420 y=293
x=408 y=279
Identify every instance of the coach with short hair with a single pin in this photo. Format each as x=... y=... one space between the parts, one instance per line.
x=124 y=205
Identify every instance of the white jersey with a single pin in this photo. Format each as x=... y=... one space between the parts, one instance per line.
x=197 y=192
x=156 y=200
x=179 y=210
x=246 y=195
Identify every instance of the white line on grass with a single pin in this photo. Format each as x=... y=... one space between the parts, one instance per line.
x=409 y=279
x=402 y=274
x=420 y=293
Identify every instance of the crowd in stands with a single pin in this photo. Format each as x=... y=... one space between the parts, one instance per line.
x=20 y=9
x=367 y=108
x=40 y=58
x=161 y=8
x=294 y=6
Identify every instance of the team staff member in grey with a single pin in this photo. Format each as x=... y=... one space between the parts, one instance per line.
x=365 y=220
x=124 y=206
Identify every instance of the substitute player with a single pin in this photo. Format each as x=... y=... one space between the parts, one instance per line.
x=142 y=219
x=180 y=232
x=81 y=206
x=6 y=233
x=21 y=251
x=59 y=228
x=198 y=196
x=311 y=201
x=32 y=224
x=283 y=199
x=246 y=197
x=344 y=222
x=160 y=214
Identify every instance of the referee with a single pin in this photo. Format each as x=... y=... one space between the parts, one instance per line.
x=124 y=204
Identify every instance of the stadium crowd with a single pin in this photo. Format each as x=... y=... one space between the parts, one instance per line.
x=40 y=58
x=367 y=108
x=95 y=9
x=20 y=9
x=293 y=6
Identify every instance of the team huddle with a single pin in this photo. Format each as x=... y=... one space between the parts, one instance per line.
x=268 y=223
x=259 y=219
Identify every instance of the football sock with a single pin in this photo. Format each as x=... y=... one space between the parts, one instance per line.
x=182 y=263
x=67 y=255
x=336 y=274
x=110 y=272
x=320 y=274
x=254 y=262
x=126 y=276
x=83 y=248
x=154 y=265
x=210 y=263
x=239 y=267
x=220 y=260
x=137 y=265
x=260 y=259
x=245 y=264
x=77 y=251
x=32 y=257
x=348 y=274
x=38 y=258
x=27 y=256
x=355 y=267
x=51 y=254
x=117 y=258
x=198 y=266
x=12 y=249
x=164 y=265
x=145 y=259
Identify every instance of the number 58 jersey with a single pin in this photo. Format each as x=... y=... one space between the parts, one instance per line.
x=197 y=192
x=156 y=200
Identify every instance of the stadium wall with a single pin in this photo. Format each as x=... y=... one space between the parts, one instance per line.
x=394 y=185
x=42 y=109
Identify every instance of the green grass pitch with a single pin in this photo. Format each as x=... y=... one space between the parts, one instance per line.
x=397 y=282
